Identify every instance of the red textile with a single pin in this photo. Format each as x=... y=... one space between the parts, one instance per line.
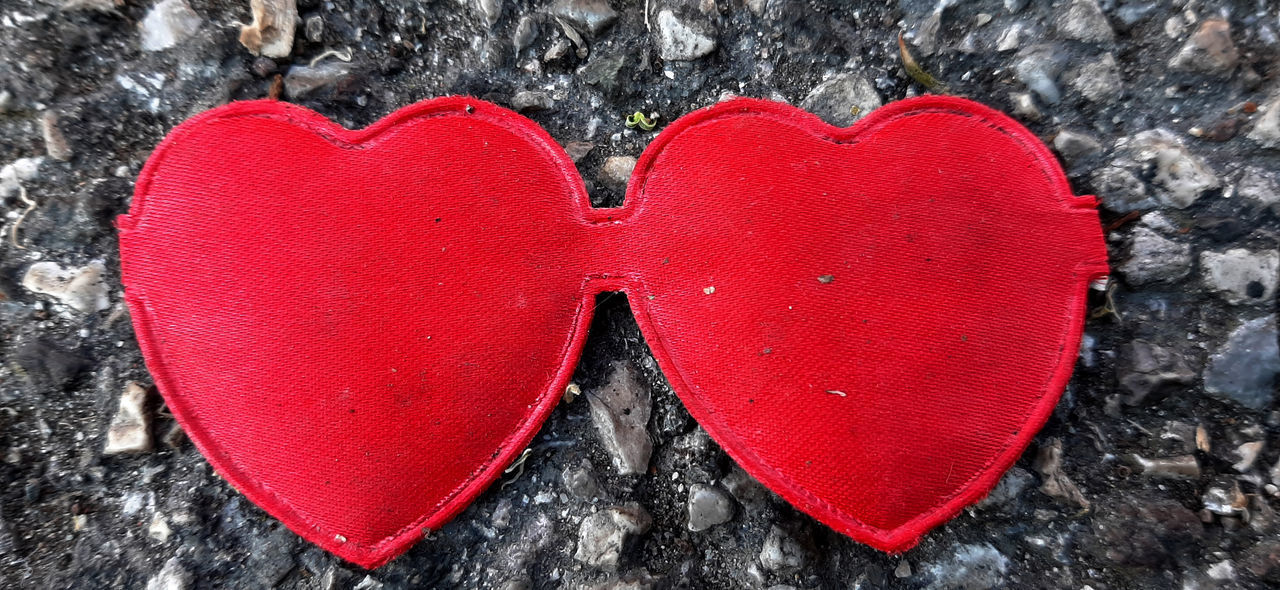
x=361 y=329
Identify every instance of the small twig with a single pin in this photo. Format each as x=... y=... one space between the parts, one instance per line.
x=31 y=206
x=1120 y=222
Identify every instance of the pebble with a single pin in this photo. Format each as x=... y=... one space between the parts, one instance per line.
x=1038 y=67
x=82 y=289
x=531 y=101
x=173 y=576
x=167 y=24
x=903 y=570
x=270 y=34
x=603 y=534
x=1010 y=486
x=616 y=170
x=304 y=80
x=525 y=34
x=491 y=10
x=130 y=430
x=1148 y=367
x=1266 y=132
x=1083 y=20
x=1180 y=467
x=593 y=16
x=1074 y=146
x=1245 y=367
x=1010 y=38
x=1154 y=258
x=1181 y=177
x=315 y=28
x=620 y=410
x=13 y=174
x=1056 y=484
x=159 y=530
x=1098 y=80
x=1209 y=50
x=580 y=482
x=678 y=41
x=708 y=506
x=971 y=567
x=1121 y=190
x=1241 y=276
x=1024 y=106
x=842 y=99
x=1260 y=186
x=55 y=143
x=782 y=553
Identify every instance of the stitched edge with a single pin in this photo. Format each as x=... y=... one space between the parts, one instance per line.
x=908 y=534
x=378 y=553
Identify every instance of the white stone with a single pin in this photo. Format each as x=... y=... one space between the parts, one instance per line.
x=1099 y=80
x=130 y=430
x=1241 y=276
x=271 y=32
x=1181 y=177
x=616 y=170
x=842 y=99
x=13 y=174
x=620 y=410
x=708 y=507
x=1153 y=257
x=1266 y=132
x=1260 y=186
x=168 y=23
x=171 y=577
x=159 y=529
x=678 y=41
x=81 y=289
x=1083 y=20
x=603 y=534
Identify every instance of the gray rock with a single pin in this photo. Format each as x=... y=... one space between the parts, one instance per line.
x=1266 y=132
x=1075 y=146
x=525 y=34
x=620 y=411
x=1244 y=369
x=1038 y=68
x=680 y=41
x=1024 y=106
x=82 y=289
x=842 y=99
x=1241 y=276
x=1011 y=37
x=616 y=170
x=1260 y=186
x=1098 y=80
x=1011 y=485
x=1154 y=258
x=1015 y=6
x=173 y=576
x=1083 y=20
x=1121 y=190
x=1209 y=50
x=13 y=174
x=130 y=430
x=55 y=143
x=1180 y=176
x=1146 y=367
x=708 y=506
x=532 y=100
x=314 y=28
x=305 y=80
x=603 y=535
x=782 y=553
x=491 y=10
x=580 y=482
x=970 y=567
x=167 y=24
x=593 y=16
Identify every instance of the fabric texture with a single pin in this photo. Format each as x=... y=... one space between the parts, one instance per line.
x=361 y=329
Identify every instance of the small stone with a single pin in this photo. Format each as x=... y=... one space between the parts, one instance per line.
x=526 y=33
x=1224 y=498
x=1011 y=486
x=491 y=10
x=1182 y=177
x=593 y=16
x=171 y=577
x=1154 y=258
x=305 y=80
x=616 y=170
x=271 y=32
x=1245 y=367
x=159 y=530
x=782 y=553
x=1056 y=483
x=1024 y=106
x=13 y=174
x=531 y=101
x=1209 y=50
x=1038 y=68
x=1074 y=146
x=903 y=570
x=1010 y=38
x=604 y=534
x=842 y=99
x=1181 y=467
x=1148 y=367
x=167 y=24
x=82 y=289
x=620 y=410
x=577 y=150
x=130 y=430
x=1266 y=132
x=971 y=567
x=1099 y=80
x=1260 y=186
x=315 y=28
x=55 y=143
x=1083 y=20
x=708 y=506
x=558 y=49
x=580 y=482
x=678 y=41
x=1121 y=190
x=1246 y=454
x=1241 y=276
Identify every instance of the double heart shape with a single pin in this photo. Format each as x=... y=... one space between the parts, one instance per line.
x=361 y=329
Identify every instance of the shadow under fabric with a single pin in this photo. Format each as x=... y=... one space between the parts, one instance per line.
x=361 y=329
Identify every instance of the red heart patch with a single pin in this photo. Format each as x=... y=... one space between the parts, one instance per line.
x=360 y=329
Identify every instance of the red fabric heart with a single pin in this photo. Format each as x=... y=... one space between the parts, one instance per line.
x=360 y=329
